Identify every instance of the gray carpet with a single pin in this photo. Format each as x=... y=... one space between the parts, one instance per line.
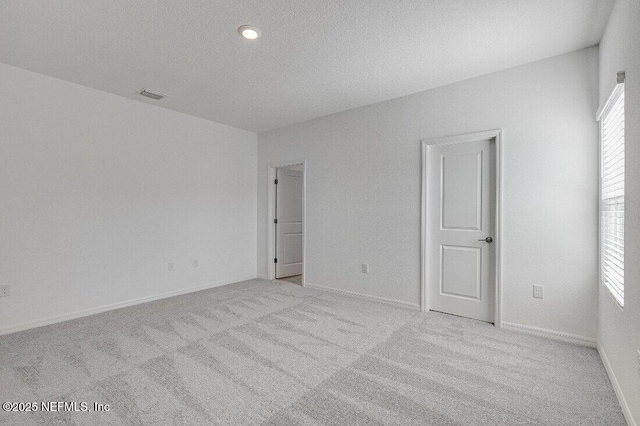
x=296 y=279
x=267 y=352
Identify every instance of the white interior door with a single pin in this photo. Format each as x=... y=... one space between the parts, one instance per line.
x=461 y=206
x=289 y=223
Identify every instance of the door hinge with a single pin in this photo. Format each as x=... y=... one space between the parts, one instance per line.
x=275 y=221
x=275 y=181
x=275 y=260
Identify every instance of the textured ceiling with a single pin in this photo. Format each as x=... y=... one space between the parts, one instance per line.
x=315 y=57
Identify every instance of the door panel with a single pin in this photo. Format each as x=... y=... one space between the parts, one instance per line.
x=293 y=247
x=460 y=272
x=462 y=191
x=461 y=204
x=289 y=227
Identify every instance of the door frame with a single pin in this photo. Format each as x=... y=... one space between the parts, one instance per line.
x=497 y=136
x=271 y=215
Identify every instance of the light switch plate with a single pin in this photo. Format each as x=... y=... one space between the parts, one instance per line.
x=538 y=292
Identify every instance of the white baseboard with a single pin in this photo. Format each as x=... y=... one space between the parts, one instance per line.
x=365 y=296
x=616 y=387
x=551 y=334
x=113 y=306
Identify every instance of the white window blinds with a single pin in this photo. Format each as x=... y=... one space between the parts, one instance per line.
x=612 y=193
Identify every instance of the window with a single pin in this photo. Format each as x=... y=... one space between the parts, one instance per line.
x=612 y=192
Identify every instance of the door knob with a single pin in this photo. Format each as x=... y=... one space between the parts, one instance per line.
x=487 y=240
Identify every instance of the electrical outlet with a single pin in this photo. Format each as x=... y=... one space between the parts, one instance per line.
x=170 y=266
x=5 y=290
x=538 y=291
x=196 y=263
x=365 y=268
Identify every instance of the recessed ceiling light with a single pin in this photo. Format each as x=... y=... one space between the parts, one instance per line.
x=249 y=32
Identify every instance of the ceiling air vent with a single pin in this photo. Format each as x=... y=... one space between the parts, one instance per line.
x=153 y=95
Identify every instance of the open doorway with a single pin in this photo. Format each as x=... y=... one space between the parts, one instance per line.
x=287 y=222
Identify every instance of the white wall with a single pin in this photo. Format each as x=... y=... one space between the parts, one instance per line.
x=363 y=187
x=619 y=330
x=98 y=193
